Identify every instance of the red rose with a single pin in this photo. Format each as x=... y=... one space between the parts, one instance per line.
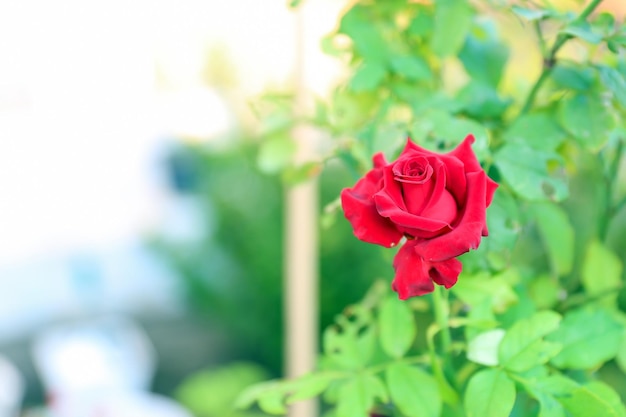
x=437 y=201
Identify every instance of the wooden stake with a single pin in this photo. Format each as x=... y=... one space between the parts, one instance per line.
x=301 y=247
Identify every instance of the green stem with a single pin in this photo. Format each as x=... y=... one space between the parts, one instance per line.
x=609 y=181
x=550 y=60
x=423 y=359
x=442 y=311
x=620 y=205
x=542 y=41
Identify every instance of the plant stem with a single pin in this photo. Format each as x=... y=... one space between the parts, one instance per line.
x=542 y=41
x=550 y=60
x=440 y=304
x=609 y=180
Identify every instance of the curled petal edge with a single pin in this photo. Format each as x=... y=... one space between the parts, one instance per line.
x=416 y=276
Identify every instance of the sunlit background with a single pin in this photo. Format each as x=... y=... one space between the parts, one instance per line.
x=95 y=97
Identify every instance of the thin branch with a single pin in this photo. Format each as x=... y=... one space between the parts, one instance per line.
x=549 y=60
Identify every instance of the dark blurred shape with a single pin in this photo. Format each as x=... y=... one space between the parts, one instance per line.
x=233 y=275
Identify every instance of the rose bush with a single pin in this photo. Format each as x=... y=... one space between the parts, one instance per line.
x=436 y=201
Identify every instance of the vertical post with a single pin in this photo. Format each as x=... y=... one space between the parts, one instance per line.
x=301 y=246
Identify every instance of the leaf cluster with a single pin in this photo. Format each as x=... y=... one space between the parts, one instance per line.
x=536 y=325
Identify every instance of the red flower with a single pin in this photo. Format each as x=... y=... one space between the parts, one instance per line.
x=437 y=201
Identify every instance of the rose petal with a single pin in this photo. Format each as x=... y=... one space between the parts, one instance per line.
x=360 y=210
x=412 y=146
x=443 y=209
x=458 y=163
x=417 y=196
x=446 y=272
x=466 y=235
x=379 y=160
x=492 y=186
x=411 y=277
x=465 y=153
x=456 y=183
x=390 y=203
x=416 y=276
x=416 y=226
x=392 y=188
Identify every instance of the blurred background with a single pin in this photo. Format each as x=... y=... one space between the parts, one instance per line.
x=137 y=231
x=141 y=223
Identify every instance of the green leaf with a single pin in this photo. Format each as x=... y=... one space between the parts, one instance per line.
x=538 y=130
x=546 y=390
x=272 y=402
x=615 y=83
x=608 y=396
x=582 y=30
x=483 y=348
x=214 y=391
x=357 y=396
x=269 y=396
x=452 y=130
x=423 y=23
x=309 y=386
x=367 y=37
x=445 y=130
x=367 y=77
x=413 y=391
x=396 y=326
x=592 y=400
x=480 y=313
x=350 y=110
x=453 y=19
x=549 y=406
x=544 y=291
x=388 y=138
x=604 y=24
x=525 y=170
x=573 y=76
x=477 y=289
x=588 y=119
x=490 y=393
x=351 y=342
x=483 y=55
x=557 y=393
x=589 y=337
x=530 y=14
x=412 y=67
x=557 y=234
x=480 y=100
x=613 y=46
x=601 y=271
x=251 y=394
x=522 y=347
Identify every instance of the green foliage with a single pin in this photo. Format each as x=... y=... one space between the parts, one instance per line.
x=490 y=393
x=589 y=337
x=212 y=393
x=537 y=319
x=413 y=391
x=397 y=329
x=557 y=235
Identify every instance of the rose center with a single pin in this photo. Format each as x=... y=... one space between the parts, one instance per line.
x=414 y=171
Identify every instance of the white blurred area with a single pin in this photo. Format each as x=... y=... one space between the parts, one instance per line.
x=92 y=96
x=91 y=93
